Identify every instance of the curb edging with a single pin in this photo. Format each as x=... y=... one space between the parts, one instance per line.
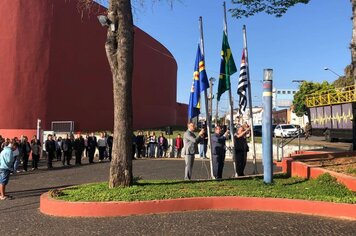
x=53 y=207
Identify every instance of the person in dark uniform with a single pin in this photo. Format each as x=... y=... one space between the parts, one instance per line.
x=79 y=147
x=92 y=143
x=139 y=143
x=25 y=150
x=218 y=145
x=110 y=143
x=50 y=146
x=67 y=148
x=241 y=149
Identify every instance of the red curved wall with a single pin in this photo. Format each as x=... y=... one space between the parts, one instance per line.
x=54 y=67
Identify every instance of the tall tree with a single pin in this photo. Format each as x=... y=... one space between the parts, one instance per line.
x=119 y=49
x=305 y=89
x=246 y=8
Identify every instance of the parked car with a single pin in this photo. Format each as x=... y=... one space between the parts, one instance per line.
x=257 y=130
x=285 y=130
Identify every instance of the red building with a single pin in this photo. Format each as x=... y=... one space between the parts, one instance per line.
x=54 y=67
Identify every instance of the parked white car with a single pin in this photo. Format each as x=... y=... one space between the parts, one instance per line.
x=285 y=130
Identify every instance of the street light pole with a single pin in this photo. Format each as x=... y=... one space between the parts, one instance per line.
x=298 y=81
x=327 y=68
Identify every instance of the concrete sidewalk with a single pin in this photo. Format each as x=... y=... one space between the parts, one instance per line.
x=20 y=216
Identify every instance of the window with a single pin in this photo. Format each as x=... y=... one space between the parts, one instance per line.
x=288 y=92
x=278 y=92
x=283 y=92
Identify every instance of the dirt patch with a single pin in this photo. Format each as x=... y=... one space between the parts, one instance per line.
x=344 y=165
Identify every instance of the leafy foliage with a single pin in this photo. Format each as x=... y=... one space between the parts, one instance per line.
x=343 y=81
x=246 y=8
x=308 y=88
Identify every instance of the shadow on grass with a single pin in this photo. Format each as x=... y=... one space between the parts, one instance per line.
x=33 y=192
x=242 y=178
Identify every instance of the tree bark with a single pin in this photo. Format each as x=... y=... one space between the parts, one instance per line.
x=119 y=50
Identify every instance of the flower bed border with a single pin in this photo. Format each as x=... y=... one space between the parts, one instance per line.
x=54 y=207
x=294 y=167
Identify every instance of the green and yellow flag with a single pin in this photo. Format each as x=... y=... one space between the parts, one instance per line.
x=227 y=67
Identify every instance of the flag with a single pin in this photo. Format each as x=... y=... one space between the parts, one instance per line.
x=200 y=84
x=242 y=86
x=227 y=67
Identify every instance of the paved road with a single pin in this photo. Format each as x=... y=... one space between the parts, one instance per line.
x=327 y=146
x=21 y=216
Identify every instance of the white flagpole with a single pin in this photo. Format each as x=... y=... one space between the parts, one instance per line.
x=250 y=101
x=231 y=105
x=208 y=125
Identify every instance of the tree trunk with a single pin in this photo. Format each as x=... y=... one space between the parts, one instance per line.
x=353 y=40
x=119 y=50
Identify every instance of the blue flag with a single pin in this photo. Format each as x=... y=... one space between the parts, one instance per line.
x=200 y=84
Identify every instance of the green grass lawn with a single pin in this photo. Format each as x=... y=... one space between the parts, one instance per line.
x=324 y=188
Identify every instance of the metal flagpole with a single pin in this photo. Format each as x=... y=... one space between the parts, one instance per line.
x=231 y=105
x=208 y=125
x=217 y=111
x=250 y=102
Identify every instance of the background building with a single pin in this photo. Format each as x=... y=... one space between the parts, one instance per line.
x=54 y=68
x=283 y=98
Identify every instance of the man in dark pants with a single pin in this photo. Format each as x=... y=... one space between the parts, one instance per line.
x=92 y=143
x=218 y=146
x=241 y=149
x=139 y=143
x=50 y=149
x=67 y=148
x=78 y=149
x=110 y=143
x=26 y=150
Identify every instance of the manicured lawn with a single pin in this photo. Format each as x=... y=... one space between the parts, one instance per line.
x=325 y=188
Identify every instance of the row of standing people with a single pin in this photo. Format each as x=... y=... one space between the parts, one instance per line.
x=218 y=145
x=151 y=146
x=62 y=149
x=22 y=152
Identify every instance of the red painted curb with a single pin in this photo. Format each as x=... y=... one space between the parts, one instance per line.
x=301 y=169
x=294 y=166
x=55 y=207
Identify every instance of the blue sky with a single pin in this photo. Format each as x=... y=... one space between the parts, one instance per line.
x=297 y=46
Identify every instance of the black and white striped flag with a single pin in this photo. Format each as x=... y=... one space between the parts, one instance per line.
x=242 y=86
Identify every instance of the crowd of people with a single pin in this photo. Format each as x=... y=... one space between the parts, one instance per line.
x=16 y=151
x=151 y=146
x=58 y=148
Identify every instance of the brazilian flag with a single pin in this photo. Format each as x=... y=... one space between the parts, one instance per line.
x=227 y=67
